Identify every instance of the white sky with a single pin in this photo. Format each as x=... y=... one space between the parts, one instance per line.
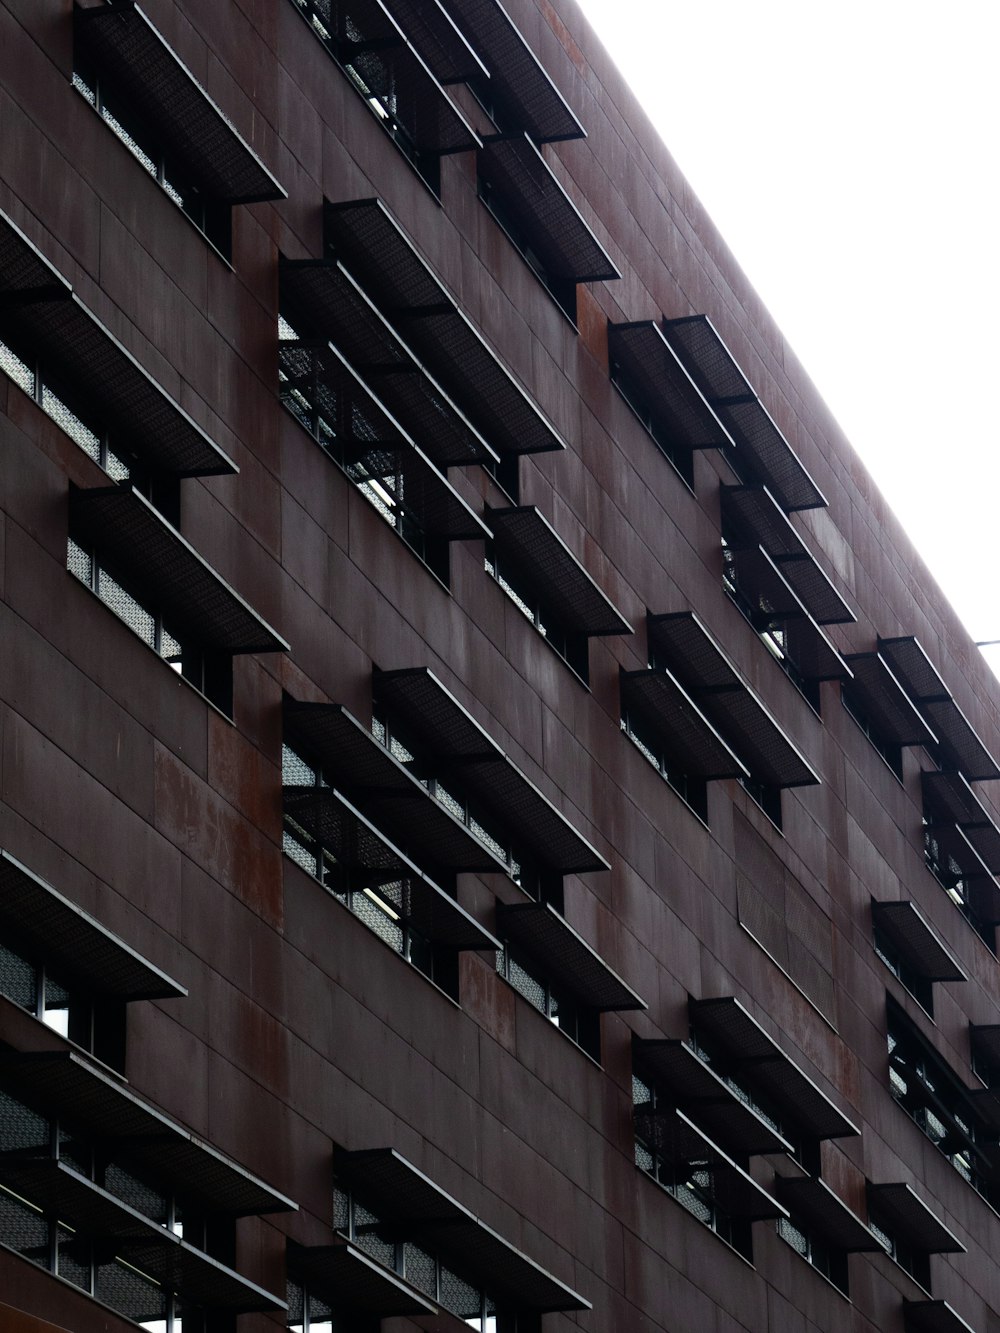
x=848 y=154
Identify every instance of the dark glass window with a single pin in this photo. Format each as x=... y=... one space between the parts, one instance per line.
x=69 y=1009
x=692 y=790
x=572 y=647
x=562 y=290
x=673 y=449
x=891 y=753
x=919 y=987
x=954 y=879
x=579 y=1022
x=832 y=1263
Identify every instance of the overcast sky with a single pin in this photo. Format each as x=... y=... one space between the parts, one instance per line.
x=848 y=155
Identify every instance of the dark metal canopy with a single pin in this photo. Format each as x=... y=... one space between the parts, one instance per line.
x=405 y=1198
x=386 y=69
x=704 y=671
x=948 y=796
x=370 y=444
x=527 y=538
x=349 y=1279
x=683 y=1077
x=519 y=87
x=688 y=735
x=92 y=1211
x=683 y=1145
x=63 y=1083
x=654 y=371
x=538 y=929
x=885 y=701
x=933 y=1317
x=762 y=452
x=909 y=931
x=127 y=49
x=776 y=605
x=454 y=738
x=761 y=1062
x=532 y=193
x=374 y=862
x=898 y=1209
x=40 y=313
x=957 y=740
x=985 y=1040
x=438 y=39
x=752 y=520
x=71 y=942
x=336 y=308
x=374 y=248
x=121 y=523
x=813 y=1201
x=383 y=790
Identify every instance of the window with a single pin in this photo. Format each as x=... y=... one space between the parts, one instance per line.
x=208 y=672
x=692 y=789
x=308 y=1312
x=534 y=879
x=379 y=901
x=572 y=647
x=773 y=630
x=691 y=1182
x=327 y=397
x=669 y=442
x=897 y=1246
x=45 y=1214
x=890 y=751
x=919 y=986
x=953 y=864
x=812 y=1247
x=395 y=84
x=211 y=216
x=423 y=1268
x=66 y=1007
x=565 y=1011
x=506 y=213
x=83 y=425
x=936 y=1101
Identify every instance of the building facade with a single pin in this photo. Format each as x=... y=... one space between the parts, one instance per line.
x=496 y=822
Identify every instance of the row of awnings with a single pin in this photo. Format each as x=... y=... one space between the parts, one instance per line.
x=40 y=313
x=691 y=383
x=711 y=722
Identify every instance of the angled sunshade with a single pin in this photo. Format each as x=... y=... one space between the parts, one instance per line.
x=120 y=522
x=541 y=931
x=933 y=1317
x=947 y=796
x=682 y=1076
x=681 y=1143
x=374 y=862
x=70 y=940
x=752 y=520
x=898 y=1207
x=66 y=1084
x=685 y=731
x=382 y=789
x=39 y=312
x=650 y=369
x=351 y=1280
x=125 y=47
x=386 y=69
x=707 y=675
x=776 y=605
x=336 y=308
x=369 y=241
x=762 y=1062
x=92 y=1211
x=414 y=1206
x=885 y=701
x=519 y=89
x=527 y=538
x=436 y=36
x=762 y=453
x=532 y=193
x=957 y=740
x=453 y=736
x=813 y=1201
x=909 y=931
x=369 y=443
